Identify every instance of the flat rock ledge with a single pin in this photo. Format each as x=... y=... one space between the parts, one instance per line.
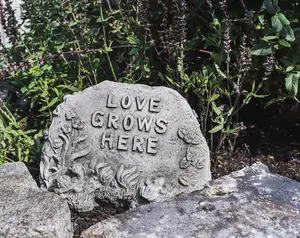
x=27 y=211
x=251 y=202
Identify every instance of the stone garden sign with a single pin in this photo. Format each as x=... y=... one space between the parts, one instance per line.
x=123 y=143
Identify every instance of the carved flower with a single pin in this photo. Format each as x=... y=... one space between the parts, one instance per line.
x=151 y=190
x=189 y=137
x=57 y=143
x=77 y=124
x=66 y=129
x=78 y=170
x=185 y=163
x=56 y=111
x=70 y=114
x=64 y=184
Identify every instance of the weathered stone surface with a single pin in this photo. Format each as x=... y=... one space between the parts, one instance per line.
x=26 y=210
x=122 y=142
x=248 y=203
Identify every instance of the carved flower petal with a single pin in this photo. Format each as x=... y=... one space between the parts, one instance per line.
x=182 y=133
x=150 y=192
x=70 y=114
x=57 y=143
x=182 y=180
x=184 y=163
x=66 y=129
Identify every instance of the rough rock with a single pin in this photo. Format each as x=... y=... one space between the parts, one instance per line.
x=248 y=203
x=26 y=210
x=124 y=143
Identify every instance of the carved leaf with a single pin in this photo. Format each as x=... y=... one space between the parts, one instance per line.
x=81 y=139
x=81 y=153
x=119 y=176
x=99 y=166
x=132 y=180
x=126 y=178
x=49 y=168
x=105 y=174
x=184 y=163
x=181 y=133
x=128 y=172
x=130 y=177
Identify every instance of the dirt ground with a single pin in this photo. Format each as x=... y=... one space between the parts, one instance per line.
x=277 y=147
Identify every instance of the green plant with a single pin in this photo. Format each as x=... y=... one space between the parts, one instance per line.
x=280 y=39
x=219 y=55
x=17 y=143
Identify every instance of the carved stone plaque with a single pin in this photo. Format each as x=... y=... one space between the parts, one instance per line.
x=123 y=143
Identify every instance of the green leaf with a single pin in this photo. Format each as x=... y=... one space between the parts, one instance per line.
x=261 y=19
x=216 y=129
x=100 y=20
x=132 y=40
x=260 y=96
x=283 y=19
x=289 y=68
x=73 y=23
x=24 y=90
x=146 y=68
x=230 y=112
x=248 y=98
x=267 y=38
x=284 y=43
x=213 y=98
x=231 y=131
x=170 y=80
x=54 y=100
x=276 y=23
x=291 y=83
x=32 y=84
x=271 y=6
x=288 y=33
x=71 y=88
x=216 y=109
x=262 y=48
x=133 y=51
x=274 y=100
x=221 y=74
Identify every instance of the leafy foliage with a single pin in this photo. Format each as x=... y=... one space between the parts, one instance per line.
x=220 y=55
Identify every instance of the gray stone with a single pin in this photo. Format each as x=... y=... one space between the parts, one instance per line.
x=248 y=203
x=124 y=143
x=26 y=210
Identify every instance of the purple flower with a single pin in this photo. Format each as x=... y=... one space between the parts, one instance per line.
x=50 y=57
x=30 y=63
x=41 y=60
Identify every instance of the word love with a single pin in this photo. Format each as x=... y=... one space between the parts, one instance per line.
x=140 y=103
